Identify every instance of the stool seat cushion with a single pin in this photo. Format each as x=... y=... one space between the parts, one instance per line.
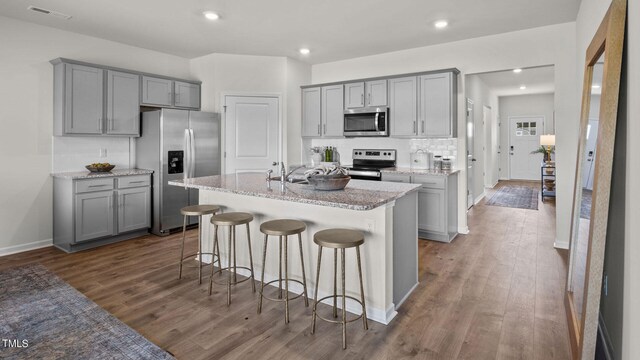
x=339 y=238
x=197 y=210
x=231 y=218
x=282 y=227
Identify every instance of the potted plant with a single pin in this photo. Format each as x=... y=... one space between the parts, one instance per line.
x=546 y=151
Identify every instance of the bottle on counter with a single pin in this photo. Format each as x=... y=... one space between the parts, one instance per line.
x=437 y=163
x=446 y=164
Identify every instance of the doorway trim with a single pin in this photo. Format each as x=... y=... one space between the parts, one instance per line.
x=544 y=120
x=223 y=123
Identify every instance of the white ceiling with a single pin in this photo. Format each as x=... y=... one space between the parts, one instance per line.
x=332 y=29
x=538 y=80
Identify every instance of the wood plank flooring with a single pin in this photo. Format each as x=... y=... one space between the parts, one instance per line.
x=495 y=293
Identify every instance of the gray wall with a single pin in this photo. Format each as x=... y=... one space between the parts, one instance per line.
x=523 y=105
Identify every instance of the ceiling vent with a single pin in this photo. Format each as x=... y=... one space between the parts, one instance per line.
x=49 y=12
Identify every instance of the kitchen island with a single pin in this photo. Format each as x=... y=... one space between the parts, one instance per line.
x=385 y=212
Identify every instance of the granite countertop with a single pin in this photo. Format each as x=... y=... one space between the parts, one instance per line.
x=358 y=195
x=410 y=171
x=89 y=175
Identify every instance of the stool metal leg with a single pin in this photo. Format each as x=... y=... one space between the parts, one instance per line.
x=315 y=294
x=286 y=280
x=335 y=283
x=184 y=234
x=235 y=268
x=344 y=304
x=280 y=267
x=264 y=267
x=200 y=251
x=229 y=270
x=304 y=277
x=364 y=308
x=216 y=248
x=253 y=278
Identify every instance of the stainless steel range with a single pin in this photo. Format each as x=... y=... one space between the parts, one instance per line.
x=368 y=162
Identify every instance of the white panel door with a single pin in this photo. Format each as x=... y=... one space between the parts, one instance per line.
x=252 y=134
x=524 y=137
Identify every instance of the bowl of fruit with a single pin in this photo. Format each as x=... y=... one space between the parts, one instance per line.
x=100 y=167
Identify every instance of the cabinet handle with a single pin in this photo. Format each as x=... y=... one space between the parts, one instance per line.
x=95 y=186
x=325 y=129
x=99 y=124
x=169 y=96
x=423 y=130
x=369 y=101
x=415 y=128
x=362 y=99
x=319 y=133
x=136 y=182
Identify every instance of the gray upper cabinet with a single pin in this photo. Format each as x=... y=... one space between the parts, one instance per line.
x=94 y=215
x=403 y=106
x=80 y=110
x=376 y=93
x=370 y=93
x=123 y=103
x=354 y=95
x=311 y=112
x=157 y=91
x=187 y=95
x=437 y=100
x=332 y=112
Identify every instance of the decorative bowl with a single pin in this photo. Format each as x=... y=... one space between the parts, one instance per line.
x=329 y=182
x=94 y=168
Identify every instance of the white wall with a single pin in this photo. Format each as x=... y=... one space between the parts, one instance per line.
x=485 y=135
x=549 y=45
x=523 y=105
x=245 y=74
x=26 y=113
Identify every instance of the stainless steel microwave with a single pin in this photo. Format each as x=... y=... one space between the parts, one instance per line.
x=366 y=122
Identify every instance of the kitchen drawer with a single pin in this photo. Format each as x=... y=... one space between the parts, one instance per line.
x=134 y=181
x=396 y=178
x=430 y=182
x=101 y=184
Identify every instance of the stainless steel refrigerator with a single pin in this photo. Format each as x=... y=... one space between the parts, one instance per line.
x=177 y=144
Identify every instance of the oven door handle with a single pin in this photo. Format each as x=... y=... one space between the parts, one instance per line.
x=365 y=173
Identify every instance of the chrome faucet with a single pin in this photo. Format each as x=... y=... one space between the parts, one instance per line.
x=284 y=176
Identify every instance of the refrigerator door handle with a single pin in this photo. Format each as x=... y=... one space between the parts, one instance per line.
x=192 y=154
x=187 y=156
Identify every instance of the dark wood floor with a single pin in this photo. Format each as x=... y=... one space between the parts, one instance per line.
x=494 y=293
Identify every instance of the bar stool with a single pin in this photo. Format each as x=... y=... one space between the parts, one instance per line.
x=283 y=228
x=232 y=219
x=339 y=239
x=197 y=210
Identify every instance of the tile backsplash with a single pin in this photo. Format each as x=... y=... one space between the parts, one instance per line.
x=73 y=153
x=445 y=147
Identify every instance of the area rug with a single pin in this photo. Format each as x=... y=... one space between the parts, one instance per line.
x=42 y=317
x=520 y=197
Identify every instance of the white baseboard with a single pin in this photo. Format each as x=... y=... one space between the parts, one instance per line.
x=463 y=230
x=25 y=247
x=491 y=186
x=406 y=296
x=561 y=245
x=479 y=198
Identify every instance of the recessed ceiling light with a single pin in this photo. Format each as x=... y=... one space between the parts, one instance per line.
x=522 y=87
x=441 y=24
x=595 y=86
x=211 y=15
x=517 y=71
x=304 y=51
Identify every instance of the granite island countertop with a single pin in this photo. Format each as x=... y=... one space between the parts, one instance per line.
x=75 y=175
x=410 y=171
x=357 y=195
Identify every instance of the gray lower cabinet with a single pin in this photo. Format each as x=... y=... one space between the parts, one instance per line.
x=437 y=204
x=94 y=215
x=93 y=212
